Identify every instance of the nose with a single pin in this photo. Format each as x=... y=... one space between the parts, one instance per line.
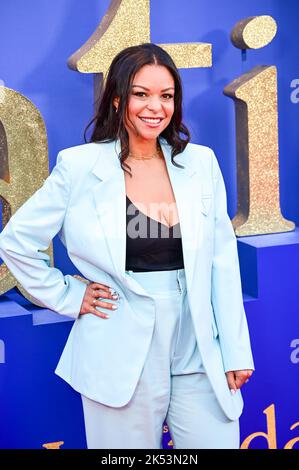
x=154 y=104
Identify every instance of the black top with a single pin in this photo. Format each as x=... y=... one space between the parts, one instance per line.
x=151 y=245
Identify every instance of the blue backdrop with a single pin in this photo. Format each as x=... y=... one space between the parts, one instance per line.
x=37 y=37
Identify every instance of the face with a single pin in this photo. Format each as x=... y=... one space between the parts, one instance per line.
x=151 y=102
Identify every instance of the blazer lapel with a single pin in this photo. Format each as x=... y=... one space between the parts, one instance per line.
x=109 y=196
x=187 y=188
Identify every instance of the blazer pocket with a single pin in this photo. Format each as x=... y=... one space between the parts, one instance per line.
x=206 y=202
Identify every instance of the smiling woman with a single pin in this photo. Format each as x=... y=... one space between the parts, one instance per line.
x=176 y=342
x=154 y=100
x=153 y=106
x=141 y=100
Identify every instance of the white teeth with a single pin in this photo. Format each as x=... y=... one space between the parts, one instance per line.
x=151 y=120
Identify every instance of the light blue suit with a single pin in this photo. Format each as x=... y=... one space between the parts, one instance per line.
x=84 y=201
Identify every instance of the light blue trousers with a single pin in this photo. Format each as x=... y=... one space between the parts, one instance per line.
x=172 y=387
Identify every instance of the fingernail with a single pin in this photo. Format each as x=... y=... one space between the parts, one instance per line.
x=114 y=306
x=115 y=297
x=233 y=391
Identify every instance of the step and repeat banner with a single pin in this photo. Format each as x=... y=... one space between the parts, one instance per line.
x=240 y=73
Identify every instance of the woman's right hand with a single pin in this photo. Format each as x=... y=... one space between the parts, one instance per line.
x=93 y=291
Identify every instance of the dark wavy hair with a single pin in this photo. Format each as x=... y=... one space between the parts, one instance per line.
x=109 y=125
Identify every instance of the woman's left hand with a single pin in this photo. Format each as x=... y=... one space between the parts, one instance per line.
x=237 y=378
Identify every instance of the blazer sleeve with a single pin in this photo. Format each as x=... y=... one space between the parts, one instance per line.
x=227 y=299
x=29 y=231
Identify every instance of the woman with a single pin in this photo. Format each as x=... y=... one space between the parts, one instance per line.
x=142 y=213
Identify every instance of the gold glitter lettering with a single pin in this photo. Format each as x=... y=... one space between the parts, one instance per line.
x=255 y=97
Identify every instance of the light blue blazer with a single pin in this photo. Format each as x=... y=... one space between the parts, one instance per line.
x=83 y=200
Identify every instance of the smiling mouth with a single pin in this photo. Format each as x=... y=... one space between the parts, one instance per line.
x=151 y=120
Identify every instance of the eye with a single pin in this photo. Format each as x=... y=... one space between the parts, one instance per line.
x=139 y=93
x=168 y=96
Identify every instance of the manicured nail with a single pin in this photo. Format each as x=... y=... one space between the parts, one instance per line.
x=114 y=306
x=115 y=297
x=233 y=391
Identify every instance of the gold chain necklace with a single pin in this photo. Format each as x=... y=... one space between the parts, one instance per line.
x=140 y=157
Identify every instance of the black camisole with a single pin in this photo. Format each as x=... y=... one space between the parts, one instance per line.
x=151 y=245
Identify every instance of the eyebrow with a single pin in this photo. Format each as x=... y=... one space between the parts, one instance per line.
x=165 y=89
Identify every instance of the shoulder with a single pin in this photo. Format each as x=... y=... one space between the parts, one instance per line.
x=81 y=158
x=201 y=151
x=202 y=157
x=77 y=154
